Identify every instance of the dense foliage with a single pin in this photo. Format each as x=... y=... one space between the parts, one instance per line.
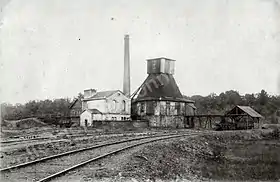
x=265 y=104
x=35 y=108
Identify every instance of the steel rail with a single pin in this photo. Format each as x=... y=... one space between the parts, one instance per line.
x=76 y=151
x=48 y=178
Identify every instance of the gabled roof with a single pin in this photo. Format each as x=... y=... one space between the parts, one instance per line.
x=93 y=111
x=151 y=59
x=248 y=110
x=102 y=95
x=73 y=102
x=251 y=112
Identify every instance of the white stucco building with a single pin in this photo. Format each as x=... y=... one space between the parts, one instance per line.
x=106 y=105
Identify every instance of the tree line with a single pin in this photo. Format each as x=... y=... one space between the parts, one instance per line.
x=267 y=105
x=36 y=108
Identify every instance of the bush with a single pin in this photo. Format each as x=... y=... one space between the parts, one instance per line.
x=275 y=133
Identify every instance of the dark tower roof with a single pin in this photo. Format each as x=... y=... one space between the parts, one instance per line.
x=160 y=83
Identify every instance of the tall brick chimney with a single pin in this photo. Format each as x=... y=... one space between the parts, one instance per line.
x=126 y=76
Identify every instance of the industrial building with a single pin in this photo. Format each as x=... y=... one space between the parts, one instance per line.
x=102 y=106
x=159 y=99
x=158 y=102
x=113 y=105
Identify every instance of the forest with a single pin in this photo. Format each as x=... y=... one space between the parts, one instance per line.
x=265 y=104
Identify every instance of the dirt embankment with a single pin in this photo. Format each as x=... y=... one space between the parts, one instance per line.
x=237 y=155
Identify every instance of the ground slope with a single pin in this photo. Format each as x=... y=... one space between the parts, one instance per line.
x=218 y=156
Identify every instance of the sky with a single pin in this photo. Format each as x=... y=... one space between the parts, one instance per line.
x=57 y=48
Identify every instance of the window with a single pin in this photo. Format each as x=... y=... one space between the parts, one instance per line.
x=151 y=107
x=167 y=108
x=142 y=107
x=123 y=105
x=162 y=109
x=114 y=106
x=154 y=64
x=177 y=108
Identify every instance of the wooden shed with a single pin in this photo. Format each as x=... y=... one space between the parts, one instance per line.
x=244 y=117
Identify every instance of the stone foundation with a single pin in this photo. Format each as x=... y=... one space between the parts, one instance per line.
x=167 y=121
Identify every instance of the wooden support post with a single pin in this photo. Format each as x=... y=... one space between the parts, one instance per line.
x=206 y=122
x=200 y=124
x=247 y=120
x=210 y=122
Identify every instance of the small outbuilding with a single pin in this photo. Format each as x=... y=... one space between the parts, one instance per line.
x=244 y=117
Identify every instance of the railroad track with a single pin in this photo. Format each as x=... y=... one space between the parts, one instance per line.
x=50 y=167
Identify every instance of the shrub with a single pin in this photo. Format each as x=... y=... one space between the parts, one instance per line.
x=275 y=133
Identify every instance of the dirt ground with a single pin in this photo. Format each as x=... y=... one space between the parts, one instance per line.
x=66 y=140
x=219 y=156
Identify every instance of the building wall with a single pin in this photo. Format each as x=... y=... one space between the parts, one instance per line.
x=163 y=113
x=91 y=118
x=166 y=121
x=118 y=103
x=115 y=107
x=86 y=116
x=98 y=117
x=118 y=117
x=97 y=104
x=160 y=65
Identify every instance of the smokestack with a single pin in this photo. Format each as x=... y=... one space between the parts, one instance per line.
x=126 y=76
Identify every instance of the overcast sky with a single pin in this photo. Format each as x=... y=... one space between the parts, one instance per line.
x=57 y=48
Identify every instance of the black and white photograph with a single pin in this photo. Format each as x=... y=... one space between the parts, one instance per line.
x=139 y=90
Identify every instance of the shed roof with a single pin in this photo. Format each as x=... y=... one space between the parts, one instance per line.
x=73 y=102
x=102 y=95
x=248 y=110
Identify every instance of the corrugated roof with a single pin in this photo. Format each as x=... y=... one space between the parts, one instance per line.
x=102 y=95
x=250 y=111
